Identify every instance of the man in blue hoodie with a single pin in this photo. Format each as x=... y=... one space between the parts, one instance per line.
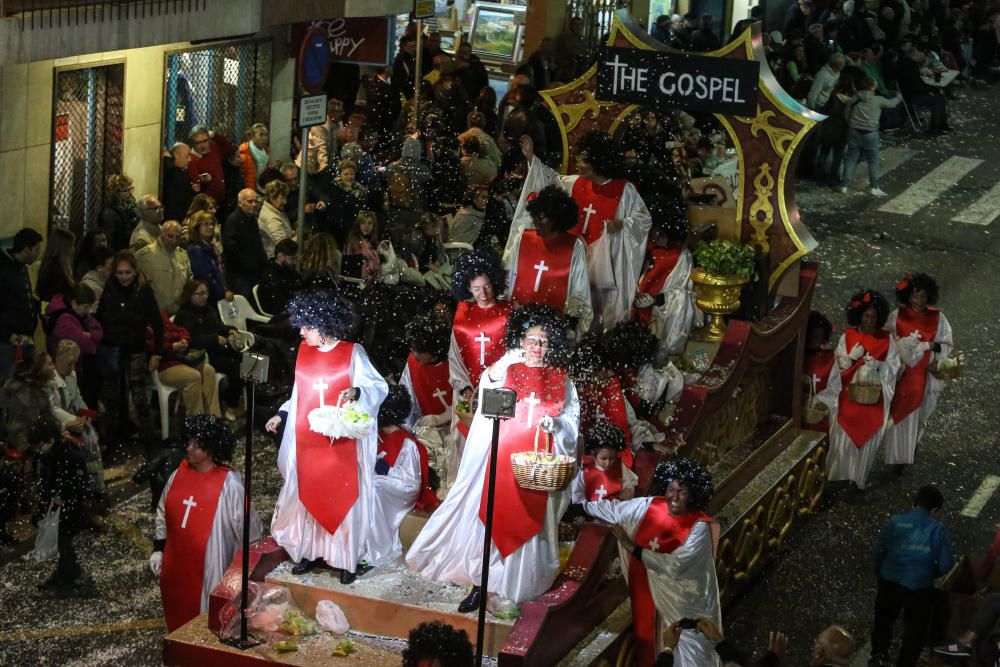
x=913 y=550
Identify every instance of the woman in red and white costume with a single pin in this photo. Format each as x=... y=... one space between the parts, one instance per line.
x=524 y=560
x=856 y=429
x=923 y=335
x=817 y=362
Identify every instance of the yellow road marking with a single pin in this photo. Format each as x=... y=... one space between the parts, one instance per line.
x=27 y=635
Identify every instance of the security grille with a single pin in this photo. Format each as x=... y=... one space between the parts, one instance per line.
x=596 y=15
x=226 y=88
x=86 y=142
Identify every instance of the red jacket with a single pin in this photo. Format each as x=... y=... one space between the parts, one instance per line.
x=211 y=163
x=172 y=333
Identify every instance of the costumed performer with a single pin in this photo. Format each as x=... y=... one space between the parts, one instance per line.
x=856 y=429
x=199 y=521
x=524 y=559
x=817 y=362
x=477 y=336
x=664 y=300
x=402 y=479
x=670 y=564
x=546 y=263
x=602 y=475
x=612 y=221
x=923 y=335
x=323 y=512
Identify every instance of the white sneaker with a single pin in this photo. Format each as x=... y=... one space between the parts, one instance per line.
x=876 y=192
x=842 y=189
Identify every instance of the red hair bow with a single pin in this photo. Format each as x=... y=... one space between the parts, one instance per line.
x=902 y=285
x=868 y=297
x=854 y=303
x=532 y=195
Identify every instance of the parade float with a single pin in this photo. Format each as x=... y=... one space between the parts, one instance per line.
x=740 y=412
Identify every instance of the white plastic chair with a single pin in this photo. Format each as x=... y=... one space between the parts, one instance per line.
x=238 y=311
x=256 y=301
x=164 y=392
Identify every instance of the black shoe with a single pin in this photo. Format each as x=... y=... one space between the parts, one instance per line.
x=899 y=469
x=347 y=578
x=471 y=601
x=306 y=566
x=955 y=650
x=363 y=568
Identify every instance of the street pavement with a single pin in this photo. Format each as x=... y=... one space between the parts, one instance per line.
x=940 y=216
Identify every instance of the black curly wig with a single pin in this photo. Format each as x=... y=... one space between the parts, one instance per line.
x=471 y=265
x=628 y=345
x=604 y=435
x=586 y=360
x=557 y=205
x=598 y=149
x=213 y=436
x=864 y=300
x=669 y=216
x=818 y=320
x=438 y=641
x=396 y=407
x=324 y=311
x=690 y=473
x=551 y=321
x=911 y=282
x=427 y=334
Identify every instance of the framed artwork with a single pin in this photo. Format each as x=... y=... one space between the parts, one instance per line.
x=497 y=31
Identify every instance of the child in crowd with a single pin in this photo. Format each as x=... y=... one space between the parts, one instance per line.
x=602 y=475
x=360 y=257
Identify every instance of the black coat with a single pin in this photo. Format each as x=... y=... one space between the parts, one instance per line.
x=64 y=474
x=242 y=247
x=125 y=312
x=383 y=104
x=204 y=325
x=177 y=192
x=18 y=307
x=118 y=224
x=277 y=285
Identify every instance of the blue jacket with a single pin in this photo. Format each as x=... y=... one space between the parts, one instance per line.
x=204 y=266
x=913 y=550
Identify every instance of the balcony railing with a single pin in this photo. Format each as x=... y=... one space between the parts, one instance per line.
x=41 y=14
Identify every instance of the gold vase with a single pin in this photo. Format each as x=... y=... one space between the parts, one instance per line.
x=717 y=295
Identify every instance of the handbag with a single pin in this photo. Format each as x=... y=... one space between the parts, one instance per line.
x=47 y=540
x=193 y=357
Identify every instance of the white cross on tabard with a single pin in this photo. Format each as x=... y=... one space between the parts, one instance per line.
x=532 y=401
x=187 y=510
x=599 y=415
x=440 y=395
x=321 y=386
x=540 y=268
x=815 y=380
x=601 y=492
x=590 y=210
x=654 y=544
x=383 y=454
x=482 y=339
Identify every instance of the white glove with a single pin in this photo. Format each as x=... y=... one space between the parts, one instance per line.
x=156 y=562
x=548 y=424
x=915 y=335
x=857 y=352
x=871 y=362
x=510 y=357
x=643 y=300
x=924 y=346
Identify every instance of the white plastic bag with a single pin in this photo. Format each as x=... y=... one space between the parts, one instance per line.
x=331 y=618
x=47 y=540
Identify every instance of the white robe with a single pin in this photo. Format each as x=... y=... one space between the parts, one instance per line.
x=395 y=494
x=415 y=413
x=578 y=492
x=450 y=546
x=847 y=461
x=901 y=439
x=673 y=321
x=292 y=526
x=614 y=261
x=226 y=537
x=683 y=583
x=578 y=294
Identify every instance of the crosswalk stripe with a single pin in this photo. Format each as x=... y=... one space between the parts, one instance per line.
x=982 y=211
x=932 y=185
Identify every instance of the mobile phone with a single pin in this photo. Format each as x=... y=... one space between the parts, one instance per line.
x=687 y=623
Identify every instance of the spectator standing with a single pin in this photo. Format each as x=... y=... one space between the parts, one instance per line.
x=816 y=49
x=55 y=275
x=824 y=82
x=272 y=222
x=99 y=265
x=856 y=33
x=92 y=239
x=798 y=17
x=280 y=280
x=913 y=550
x=178 y=187
x=467 y=224
x=255 y=156
x=27 y=399
x=70 y=317
x=743 y=24
x=167 y=266
x=383 y=103
x=206 y=263
x=864 y=112
x=18 y=308
x=150 y=219
x=704 y=38
x=470 y=70
x=833 y=133
x=207 y=166
x=543 y=64
x=244 y=248
x=571 y=50
x=404 y=67
x=119 y=216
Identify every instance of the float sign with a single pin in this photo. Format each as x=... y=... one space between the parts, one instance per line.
x=312 y=110
x=698 y=83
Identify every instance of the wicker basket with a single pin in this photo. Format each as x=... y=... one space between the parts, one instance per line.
x=535 y=474
x=864 y=394
x=946 y=373
x=813 y=412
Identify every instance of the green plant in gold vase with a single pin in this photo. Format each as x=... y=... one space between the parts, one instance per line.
x=721 y=270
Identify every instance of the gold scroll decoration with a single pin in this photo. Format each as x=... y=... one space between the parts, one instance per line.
x=761 y=211
x=780 y=138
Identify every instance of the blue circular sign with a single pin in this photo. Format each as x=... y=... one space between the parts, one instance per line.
x=314 y=60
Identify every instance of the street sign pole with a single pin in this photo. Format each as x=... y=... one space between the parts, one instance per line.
x=422 y=9
x=312 y=112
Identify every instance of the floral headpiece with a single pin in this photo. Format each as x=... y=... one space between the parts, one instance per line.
x=905 y=282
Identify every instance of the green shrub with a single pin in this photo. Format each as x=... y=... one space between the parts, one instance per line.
x=726 y=258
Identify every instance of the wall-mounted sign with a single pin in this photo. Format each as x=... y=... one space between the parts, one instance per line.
x=314 y=60
x=312 y=110
x=699 y=83
x=362 y=41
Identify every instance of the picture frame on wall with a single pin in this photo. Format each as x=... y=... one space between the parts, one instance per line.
x=497 y=32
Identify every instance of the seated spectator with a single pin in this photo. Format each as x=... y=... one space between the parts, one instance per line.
x=477 y=128
x=27 y=398
x=98 y=270
x=55 y=275
x=244 y=247
x=272 y=222
x=255 y=156
x=467 y=224
x=321 y=262
x=178 y=188
x=346 y=198
x=199 y=316
x=119 y=215
x=206 y=262
x=918 y=93
x=360 y=259
x=280 y=280
x=186 y=369
x=167 y=266
x=478 y=170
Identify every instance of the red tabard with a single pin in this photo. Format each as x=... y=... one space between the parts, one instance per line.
x=601 y=484
x=485 y=324
x=389 y=447
x=660 y=263
x=861 y=422
x=609 y=401
x=518 y=514
x=327 y=471
x=189 y=512
x=912 y=383
x=543 y=269
x=430 y=385
x=597 y=204
x=658 y=531
x=817 y=366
